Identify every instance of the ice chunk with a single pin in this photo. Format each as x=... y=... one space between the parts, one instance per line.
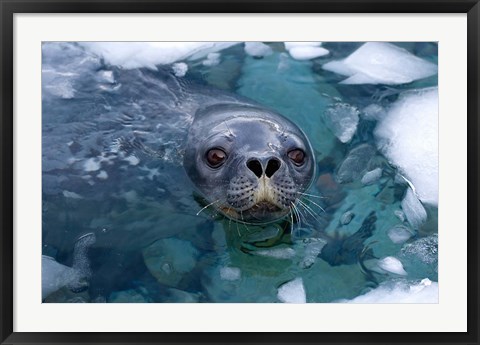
x=342 y=120
x=313 y=248
x=277 y=253
x=355 y=164
x=399 y=234
x=290 y=45
x=414 y=210
x=347 y=218
x=180 y=69
x=131 y=55
x=305 y=50
x=257 y=49
x=408 y=137
x=170 y=260
x=424 y=249
x=372 y=176
x=212 y=59
x=381 y=63
x=56 y=275
x=402 y=291
x=307 y=53
x=392 y=265
x=373 y=112
x=292 y=292
x=72 y=195
x=230 y=273
x=62 y=88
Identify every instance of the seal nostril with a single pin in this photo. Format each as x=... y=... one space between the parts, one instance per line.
x=272 y=166
x=255 y=166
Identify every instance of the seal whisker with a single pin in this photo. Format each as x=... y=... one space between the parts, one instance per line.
x=308 y=209
x=210 y=204
x=297 y=213
x=312 y=195
x=320 y=207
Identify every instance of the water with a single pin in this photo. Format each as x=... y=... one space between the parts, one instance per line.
x=112 y=173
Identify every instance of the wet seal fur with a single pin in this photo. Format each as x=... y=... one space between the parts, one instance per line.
x=250 y=163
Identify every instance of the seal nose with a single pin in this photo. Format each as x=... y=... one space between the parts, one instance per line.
x=273 y=164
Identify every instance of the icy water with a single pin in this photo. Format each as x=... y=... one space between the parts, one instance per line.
x=123 y=223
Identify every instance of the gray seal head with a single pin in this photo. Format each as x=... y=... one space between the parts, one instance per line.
x=250 y=163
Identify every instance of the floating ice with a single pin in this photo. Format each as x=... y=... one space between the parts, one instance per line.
x=313 y=248
x=392 y=265
x=132 y=55
x=373 y=112
x=292 y=292
x=61 y=88
x=106 y=77
x=71 y=195
x=408 y=137
x=347 y=218
x=277 y=253
x=132 y=160
x=399 y=234
x=381 y=63
x=355 y=164
x=342 y=120
x=230 y=273
x=290 y=45
x=102 y=175
x=91 y=164
x=307 y=53
x=170 y=259
x=413 y=209
x=305 y=50
x=372 y=176
x=257 y=49
x=424 y=249
x=56 y=275
x=180 y=69
x=212 y=59
x=402 y=291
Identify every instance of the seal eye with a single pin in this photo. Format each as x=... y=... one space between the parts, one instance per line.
x=297 y=156
x=216 y=157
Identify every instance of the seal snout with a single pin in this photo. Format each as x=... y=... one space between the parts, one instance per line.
x=269 y=167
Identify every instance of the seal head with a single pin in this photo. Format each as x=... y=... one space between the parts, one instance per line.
x=250 y=163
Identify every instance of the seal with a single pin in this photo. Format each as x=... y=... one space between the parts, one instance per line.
x=249 y=163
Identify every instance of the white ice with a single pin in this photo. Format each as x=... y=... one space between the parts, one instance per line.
x=212 y=59
x=230 y=273
x=372 y=176
x=392 y=265
x=257 y=49
x=180 y=69
x=292 y=292
x=413 y=209
x=342 y=119
x=381 y=63
x=408 y=137
x=399 y=234
x=131 y=55
x=402 y=291
x=277 y=253
x=305 y=50
x=56 y=275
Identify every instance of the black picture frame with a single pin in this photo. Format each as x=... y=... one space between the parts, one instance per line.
x=9 y=7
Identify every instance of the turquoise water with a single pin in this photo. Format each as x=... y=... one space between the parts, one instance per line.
x=112 y=173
